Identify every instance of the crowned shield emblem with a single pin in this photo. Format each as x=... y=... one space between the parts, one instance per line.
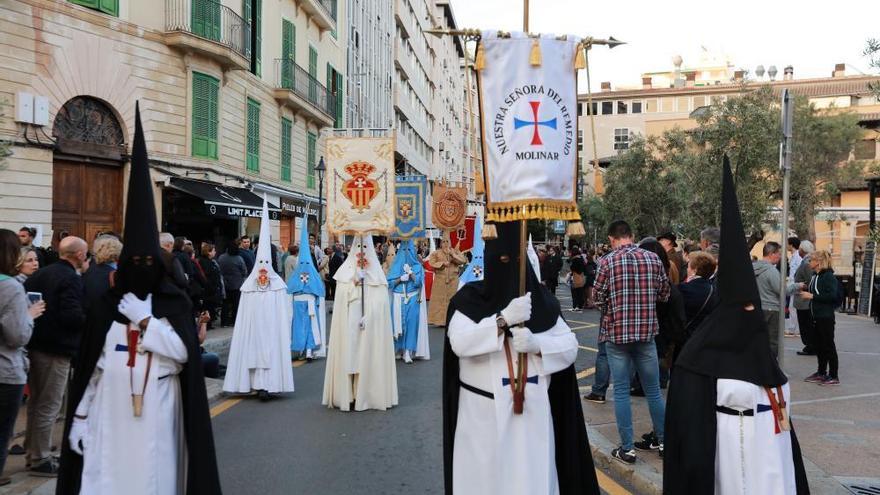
x=360 y=189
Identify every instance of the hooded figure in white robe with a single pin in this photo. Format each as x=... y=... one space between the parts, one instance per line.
x=259 y=357
x=361 y=372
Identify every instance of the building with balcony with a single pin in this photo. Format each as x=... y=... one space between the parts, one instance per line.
x=621 y=114
x=233 y=97
x=370 y=69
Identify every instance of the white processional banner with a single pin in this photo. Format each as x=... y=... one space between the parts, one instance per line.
x=360 y=185
x=529 y=112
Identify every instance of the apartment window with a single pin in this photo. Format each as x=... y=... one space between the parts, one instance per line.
x=313 y=71
x=253 y=15
x=607 y=107
x=253 y=135
x=683 y=102
x=106 y=6
x=593 y=108
x=699 y=101
x=311 y=143
x=621 y=139
x=666 y=104
x=581 y=109
x=651 y=105
x=286 y=129
x=334 y=87
x=580 y=140
x=288 y=53
x=621 y=108
x=636 y=107
x=865 y=150
x=205 y=121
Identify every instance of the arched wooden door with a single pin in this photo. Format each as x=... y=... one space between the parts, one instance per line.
x=87 y=170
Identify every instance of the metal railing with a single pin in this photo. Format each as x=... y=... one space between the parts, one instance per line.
x=290 y=76
x=329 y=7
x=211 y=20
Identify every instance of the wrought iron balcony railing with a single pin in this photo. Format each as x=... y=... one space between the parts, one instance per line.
x=211 y=20
x=290 y=76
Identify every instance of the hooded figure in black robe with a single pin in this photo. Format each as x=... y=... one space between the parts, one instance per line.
x=482 y=299
x=731 y=343
x=141 y=272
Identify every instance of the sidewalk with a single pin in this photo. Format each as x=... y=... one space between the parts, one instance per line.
x=218 y=341
x=838 y=427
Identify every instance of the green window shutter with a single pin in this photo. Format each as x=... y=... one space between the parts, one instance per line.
x=313 y=71
x=205 y=18
x=253 y=135
x=340 y=107
x=310 y=160
x=92 y=4
x=246 y=15
x=205 y=118
x=286 y=128
x=109 y=7
x=287 y=36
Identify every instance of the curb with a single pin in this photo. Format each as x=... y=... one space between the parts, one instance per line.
x=641 y=476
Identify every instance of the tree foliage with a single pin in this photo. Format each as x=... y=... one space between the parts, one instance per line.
x=673 y=181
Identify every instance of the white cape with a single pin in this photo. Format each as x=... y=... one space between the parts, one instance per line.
x=259 y=357
x=423 y=347
x=318 y=319
x=368 y=353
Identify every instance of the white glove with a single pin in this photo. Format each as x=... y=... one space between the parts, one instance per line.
x=362 y=323
x=407 y=269
x=361 y=274
x=79 y=430
x=518 y=311
x=524 y=341
x=404 y=277
x=135 y=309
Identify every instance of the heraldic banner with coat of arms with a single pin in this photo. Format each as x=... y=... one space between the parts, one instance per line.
x=360 y=185
x=450 y=206
x=409 y=210
x=529 y=117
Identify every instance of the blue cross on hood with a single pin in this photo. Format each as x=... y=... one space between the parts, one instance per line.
x=305 y=279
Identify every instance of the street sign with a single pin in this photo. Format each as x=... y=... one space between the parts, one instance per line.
x=559 y=226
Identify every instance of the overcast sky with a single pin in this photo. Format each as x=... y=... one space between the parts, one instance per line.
x=812 y=37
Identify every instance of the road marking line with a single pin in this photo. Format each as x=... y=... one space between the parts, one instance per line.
x=610 y=486
x=585 y=373
x=585 y=325
x=297 y=364
x=223 y=406
x=830 y=399
x=588 y=348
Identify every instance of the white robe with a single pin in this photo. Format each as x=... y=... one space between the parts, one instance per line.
x=768 y=463
x=423 y=346
x=496 y=451
x=367 y=353
x=259 y=356
x=144 y=455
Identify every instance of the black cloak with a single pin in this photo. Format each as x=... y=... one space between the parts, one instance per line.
x=478 y=300
x=731 y=343
x=142 y=241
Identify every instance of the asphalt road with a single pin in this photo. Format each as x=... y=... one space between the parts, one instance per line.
x=294 y=445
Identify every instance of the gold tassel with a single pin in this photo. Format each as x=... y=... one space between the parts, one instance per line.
x=490 y=232
x=480 y=58
x=535 y=55
x=580 y=60
x=576 y=229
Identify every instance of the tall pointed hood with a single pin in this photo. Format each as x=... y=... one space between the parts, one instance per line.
x=733 y=342
x=263 y=277
x=406 y=255
x=368 y=261
x=474 y=270
x=141 y=232
x=736 y=280
x=305 y=278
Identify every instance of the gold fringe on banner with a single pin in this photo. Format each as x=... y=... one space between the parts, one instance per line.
x=580 y=60
x=535 y=55
x=576 y=229
x=480 y=58
x=490 y=232
x=532 y=211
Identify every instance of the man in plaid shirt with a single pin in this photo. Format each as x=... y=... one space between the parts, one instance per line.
x=629 y=283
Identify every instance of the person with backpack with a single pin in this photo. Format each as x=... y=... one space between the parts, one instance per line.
x=824 y=294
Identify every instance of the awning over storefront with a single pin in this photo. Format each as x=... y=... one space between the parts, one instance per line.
x=224 y=201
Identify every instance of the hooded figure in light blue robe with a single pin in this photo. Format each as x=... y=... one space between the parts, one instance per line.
x=473 y=272
x=308 y=326
x=406 y=279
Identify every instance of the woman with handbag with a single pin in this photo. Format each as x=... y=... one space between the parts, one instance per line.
x=577 y=279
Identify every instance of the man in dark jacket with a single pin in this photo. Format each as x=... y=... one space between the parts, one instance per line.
x=54 y=343
x=249 y=257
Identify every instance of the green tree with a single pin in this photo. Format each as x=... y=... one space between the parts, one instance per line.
x=872 y=51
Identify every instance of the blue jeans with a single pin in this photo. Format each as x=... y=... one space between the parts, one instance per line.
x=600 y=381
x=621 y=359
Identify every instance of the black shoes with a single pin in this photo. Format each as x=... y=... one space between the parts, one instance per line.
x=263 y=395
x=649 y=442
x=624 y=456
x=806 y=352
x=598 y=399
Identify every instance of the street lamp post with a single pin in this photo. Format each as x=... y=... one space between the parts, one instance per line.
x=320 y=169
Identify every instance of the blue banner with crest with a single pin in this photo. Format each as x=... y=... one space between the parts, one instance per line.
x=409 y=206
